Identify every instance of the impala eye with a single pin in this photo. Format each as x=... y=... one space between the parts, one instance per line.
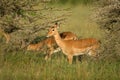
x=53 y=30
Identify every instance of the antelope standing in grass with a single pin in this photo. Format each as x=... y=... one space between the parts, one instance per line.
x=51 y=43
x=74 y=47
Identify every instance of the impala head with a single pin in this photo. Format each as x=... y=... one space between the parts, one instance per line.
x=52 y=30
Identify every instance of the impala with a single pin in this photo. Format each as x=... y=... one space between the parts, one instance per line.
x=74 y=47
x=35 y=47
x=51 y=43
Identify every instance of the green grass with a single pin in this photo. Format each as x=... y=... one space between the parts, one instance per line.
x=31 y=66
x=81 y=23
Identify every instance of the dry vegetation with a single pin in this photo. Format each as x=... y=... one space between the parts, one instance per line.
x=108 y=17
x=22 y=21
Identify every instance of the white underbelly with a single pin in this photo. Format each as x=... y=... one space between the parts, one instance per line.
x=77 y=54
x=81 y=51
x=57 y=50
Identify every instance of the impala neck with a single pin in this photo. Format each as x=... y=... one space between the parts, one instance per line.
x=58 y=39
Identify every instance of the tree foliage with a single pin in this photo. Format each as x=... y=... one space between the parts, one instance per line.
x=23 y=20
x=73 y=2
x=108 y=17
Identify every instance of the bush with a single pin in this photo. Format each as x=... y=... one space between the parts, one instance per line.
x=108 y=17
x=21 y=21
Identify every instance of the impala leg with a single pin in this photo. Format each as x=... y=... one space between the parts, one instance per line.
x=80 y=58
x=70 y=58
x=49 y=53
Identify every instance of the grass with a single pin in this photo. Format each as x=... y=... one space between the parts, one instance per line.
x=30 y=66
x=26 y=65
x=80 y=23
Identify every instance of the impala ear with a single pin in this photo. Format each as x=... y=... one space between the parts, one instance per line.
x=56 y=25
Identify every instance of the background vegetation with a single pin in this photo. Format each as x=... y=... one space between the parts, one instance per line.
x=108 y=18
x=25 y=20
x=73 y=2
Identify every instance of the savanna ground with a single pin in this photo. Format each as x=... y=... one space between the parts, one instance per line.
x=30 y=65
